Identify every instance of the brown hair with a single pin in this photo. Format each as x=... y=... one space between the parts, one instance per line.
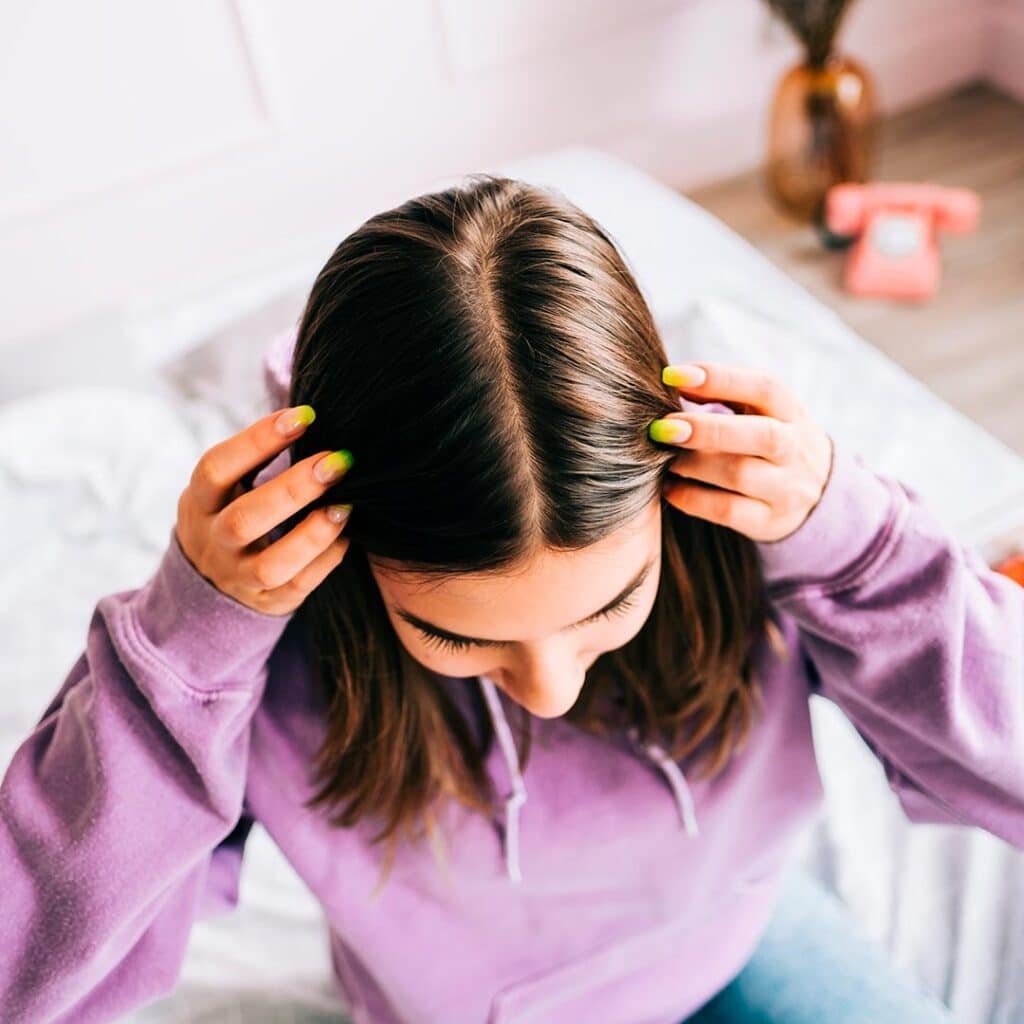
x=486 y=355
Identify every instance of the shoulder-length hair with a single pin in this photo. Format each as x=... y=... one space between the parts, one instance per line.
x=488 y=358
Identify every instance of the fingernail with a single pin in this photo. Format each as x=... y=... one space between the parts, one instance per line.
x=670 y=430
x=291 y=421
x=332 y=467
x=684 y=375
x=338 y=513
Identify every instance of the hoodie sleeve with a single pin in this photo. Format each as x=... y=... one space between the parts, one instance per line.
x=121 y=815
x=917 y=640
x=277 y=367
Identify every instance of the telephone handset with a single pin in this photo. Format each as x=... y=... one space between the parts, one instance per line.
x=896 y=226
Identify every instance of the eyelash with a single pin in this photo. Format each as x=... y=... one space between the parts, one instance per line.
x=446 y=643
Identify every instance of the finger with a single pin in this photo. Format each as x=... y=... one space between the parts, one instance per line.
x=754 y=388
x=279 y=562
x=749 y=516
x=224 y=464
x=743 y=474
x=307 y=579
x=763 y=436
x=258 y=511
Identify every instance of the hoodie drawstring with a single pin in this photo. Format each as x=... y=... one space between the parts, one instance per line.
x=517 y=795
x=676 y=779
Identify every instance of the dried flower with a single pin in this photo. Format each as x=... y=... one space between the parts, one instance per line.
x=813 y=22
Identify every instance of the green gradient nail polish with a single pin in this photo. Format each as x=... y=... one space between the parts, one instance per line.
x=334 y=466
x=669 y=431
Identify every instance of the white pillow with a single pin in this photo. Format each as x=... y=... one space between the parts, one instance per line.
x=226 y=370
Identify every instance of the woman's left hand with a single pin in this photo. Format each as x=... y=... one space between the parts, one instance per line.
x=760 y=473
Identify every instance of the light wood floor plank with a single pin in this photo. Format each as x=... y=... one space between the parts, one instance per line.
x=967 y=344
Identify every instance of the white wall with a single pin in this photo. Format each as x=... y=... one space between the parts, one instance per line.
x=148 y=150
x=1003 y=60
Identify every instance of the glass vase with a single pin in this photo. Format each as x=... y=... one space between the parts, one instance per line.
x=821 y=133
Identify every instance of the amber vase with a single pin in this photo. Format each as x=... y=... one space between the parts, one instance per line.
x=821 y=133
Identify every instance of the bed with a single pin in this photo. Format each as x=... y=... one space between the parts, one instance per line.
x=100 y=427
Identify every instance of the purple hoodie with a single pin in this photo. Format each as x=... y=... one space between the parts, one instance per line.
x=608 y=889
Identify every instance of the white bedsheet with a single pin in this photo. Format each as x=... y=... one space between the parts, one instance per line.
x=90 y=476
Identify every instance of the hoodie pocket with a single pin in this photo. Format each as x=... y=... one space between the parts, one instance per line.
x=644 y=978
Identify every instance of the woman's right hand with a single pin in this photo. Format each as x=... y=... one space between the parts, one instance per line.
x=222 y=527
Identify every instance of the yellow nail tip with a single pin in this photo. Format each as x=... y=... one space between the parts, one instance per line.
x=677 y=376
x=305 y=415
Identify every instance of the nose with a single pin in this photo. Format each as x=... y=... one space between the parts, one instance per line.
x=544 y=687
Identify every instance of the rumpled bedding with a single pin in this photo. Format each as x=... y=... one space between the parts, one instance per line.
x=90 y=474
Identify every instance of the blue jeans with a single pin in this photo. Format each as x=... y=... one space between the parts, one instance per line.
x=816 y=965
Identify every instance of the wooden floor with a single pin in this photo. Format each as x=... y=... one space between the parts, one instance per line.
x=967 y=344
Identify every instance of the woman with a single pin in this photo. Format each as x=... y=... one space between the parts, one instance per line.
x=533 y=723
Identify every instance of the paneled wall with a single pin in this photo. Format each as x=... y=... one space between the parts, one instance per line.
x=149 y=150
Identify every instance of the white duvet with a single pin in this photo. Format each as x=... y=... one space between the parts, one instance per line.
x=90 y=475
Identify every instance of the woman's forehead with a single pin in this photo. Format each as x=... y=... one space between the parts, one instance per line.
x=631 y=544
x=551 y=586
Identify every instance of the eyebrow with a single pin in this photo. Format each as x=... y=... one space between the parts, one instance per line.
x=431 y=628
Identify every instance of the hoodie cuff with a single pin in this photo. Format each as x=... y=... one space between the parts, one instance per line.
x=841 y=535
x=207 y=638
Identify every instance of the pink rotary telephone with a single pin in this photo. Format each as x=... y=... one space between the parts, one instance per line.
x=896 y=224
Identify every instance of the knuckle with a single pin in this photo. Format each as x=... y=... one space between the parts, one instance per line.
x=207 y=470
x=293 y=490
x=234 y=521
x=777 y=439
x=263 y=601
x=263 y=574
x=713 y=432
x=742 y=472
x=723 y=504
x=292 y=590
x=253 y=441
